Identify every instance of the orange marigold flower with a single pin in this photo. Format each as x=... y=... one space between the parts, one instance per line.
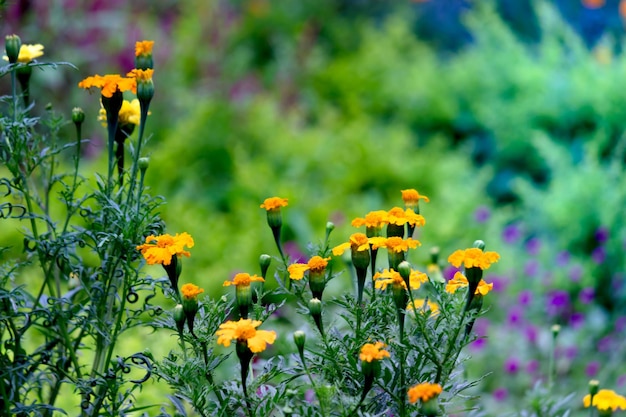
x=243 y=280
x=109 y=84
x=160 y=249
x=412 y=198
x=358 y=242
x=245 y=331
x=424 y=391
x=315 y=264
x=473 y=257
x=423 y=306
x=274 y=203
x=392 y=277
x=191 y=291
x=605 y=399
x=141 y=75
x=373 y=352
x=397 y=244
x=459 y=280
x=143 y=48
x=373 y=219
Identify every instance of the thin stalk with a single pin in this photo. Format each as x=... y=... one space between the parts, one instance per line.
x=209 y=374
x=133 y=175
x=451 y=345
x=315 y=387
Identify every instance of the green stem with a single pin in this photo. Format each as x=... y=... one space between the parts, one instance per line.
x=451 y=344
x=209 y=374
x=133 y=175
x=315 y=387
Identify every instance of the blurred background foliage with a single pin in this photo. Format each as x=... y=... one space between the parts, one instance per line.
x=508 y=114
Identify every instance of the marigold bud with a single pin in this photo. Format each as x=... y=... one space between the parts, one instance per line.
x=179 y=318
x=594 y=387
x=479 y=244
x=299 y=338
x=143 y=163
x=78 y=115
x=12 y=45
x=264 y=263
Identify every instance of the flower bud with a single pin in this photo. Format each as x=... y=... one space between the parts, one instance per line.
x=78 y=115
x=264 y=263
x=315 y=308
x=360 y=258
x=179 y=318
x=145 y=89
x=299 y=338
x=404 y=269
x=143 y=163
x=555 y=329
x=12 y=46
x=243 y=295
x=479 y=244
x=330 y=226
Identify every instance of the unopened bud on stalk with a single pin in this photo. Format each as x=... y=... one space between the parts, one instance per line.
x=143 y=163
x=264 y=263
x=299 y=338
x=315 y=308
x=179 y=318
x=12 y=45
x=78 y=115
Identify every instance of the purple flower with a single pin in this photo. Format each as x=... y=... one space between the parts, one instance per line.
x=499 y=283
x=621 y=380
x=532 y=366
x=478 y=344
x=576 y=273
x=602 y=234
x=294 y=253
x=482 y=214
x=531 y=267
x=620 y=324
x=558 y=300
x=586 y=295
x=449 y=271
x=576 y=320
x=525 y=297
x=533 y=246
x=512 y=365
x=511 y=233
x=562 y=258
x=531 y=333
x=500 y=394
x=515 y=316
x=592 y=369
x=599 y=255
x=571 y=352
x=605 y=344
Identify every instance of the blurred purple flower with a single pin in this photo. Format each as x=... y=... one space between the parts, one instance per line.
x=605 y=344
x=599 y=255
x=293 y=252
x=576 y=273
x=586 y=295
x=449 y=271
x=478 y=344
x=531 y=333
x=602 y=234
x=525 y=297
x=533 y=246
x=592 y=369
x=511 y=233
x=562 y=258
x=620 y=324
x=515 y=315
x=309 y=396
x=576 y=320
x=532 y=366
x=621 y=380
x=531 y=267
x=499 y=282
x=500 y=394
x=558 y=301
x=511 y=365
x=482 y=214
x=571 y=352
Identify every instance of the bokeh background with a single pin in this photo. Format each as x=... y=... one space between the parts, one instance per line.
x=509 y=115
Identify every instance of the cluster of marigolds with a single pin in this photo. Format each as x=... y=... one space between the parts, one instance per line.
x=122 y=115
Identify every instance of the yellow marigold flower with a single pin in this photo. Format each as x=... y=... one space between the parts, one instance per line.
x=315 y=264
x=243 y=280
x=129 y=113
x=606 y=399
x=424 y=391
x=473 y=257
x=28 y=53
x=373 y=352
x=397 y=244
x=160 y=249
x=141 y=75
x=274 y=203
x=358 y=242
x=412 y=198
x=459 y=280
x=245 y=330
x=373 y=219
x=191 y=291
x=143 y=48
x=109 y=84
x=392 y=277
x=424 y=306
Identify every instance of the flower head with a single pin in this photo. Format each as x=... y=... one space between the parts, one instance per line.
x=274 y=203
x=28 y=53
x=358 y=242
x=109 y=84
x=143 y=48
x=141 y=75
x=315 y=264
x=397 y=244
x=373 y=222
x=459 y=280
x=245 y=331
x=243 y=280
x=129 y=114
x=473 y=257
x=161 y=249
x=412 y=198
x=392 y=277
x=191 y=291
x=373 y=352
x=424 y=391
x=400 y=217
x=606 y=399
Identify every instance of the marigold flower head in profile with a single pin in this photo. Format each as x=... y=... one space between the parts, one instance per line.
x=245 y=331
x=373 y=222
x=473 y=258
x=243 y=279
x=143 y=48
x=161 y=249
x=358 y=242
x=28 y=53
x=315 y=264
x=424 y=392
x=412 y=198
x=392 y=277
x=274 y=203
x=141 y=75
x=604 y=400
x=399 y=217
x=373 y=352
x=190 y=291
x=109 y=84
x=459 y=280
x=397 y=244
